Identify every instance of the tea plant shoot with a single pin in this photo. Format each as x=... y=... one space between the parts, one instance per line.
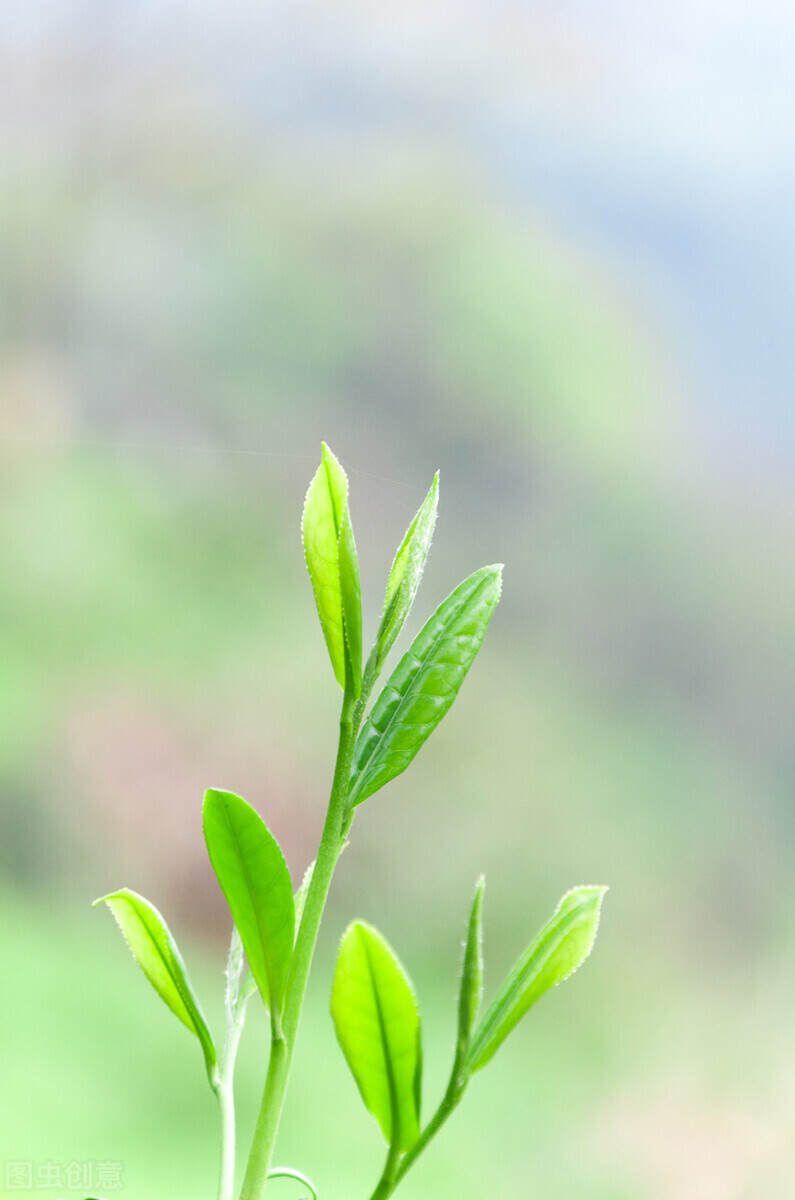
x=374 y=1008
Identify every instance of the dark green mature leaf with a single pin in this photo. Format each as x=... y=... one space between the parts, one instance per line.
x=471 y=990
x=378 y=1026
x=556 y=952
x=158 y=956
x=406 y=573
x=424 y=684
x=333 y=567
x=253 y=875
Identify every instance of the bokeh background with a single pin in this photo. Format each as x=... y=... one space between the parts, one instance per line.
x=548 y=249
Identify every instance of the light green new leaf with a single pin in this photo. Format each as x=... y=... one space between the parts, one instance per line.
x=333 y=567
x=253 y=875
x=302 y=893
x=406 y=573
x=247 y=989
x=470 y=992
x=556 y=952
x=424 y=684
x=240 y=982
x=378 y=1026
x=158 y=956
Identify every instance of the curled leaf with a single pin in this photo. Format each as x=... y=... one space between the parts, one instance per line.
x=333 y=566
x=470 y=992
x=154 y=949
x=555 y=953
x=406 y=573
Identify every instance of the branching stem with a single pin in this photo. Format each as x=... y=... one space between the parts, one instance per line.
x=395 y=1171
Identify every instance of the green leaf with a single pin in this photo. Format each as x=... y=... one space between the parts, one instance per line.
x=240 y=982
x=247 y=989
x=253 y=875
x=249 y=984
x=470 y=992
x=556 y=952
x=378 y=1027
x=158 y=956
x=424 y=684
x=406 y=573
x=333 y=566
x=235 y=972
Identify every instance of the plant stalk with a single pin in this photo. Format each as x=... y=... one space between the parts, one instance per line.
x=331 y=844
x=226 y=1178
x=387 y=1180
x=394 y=1172
x=268 y=1120
x=224 y=1090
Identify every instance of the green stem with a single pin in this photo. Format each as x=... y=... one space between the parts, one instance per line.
x=226 y=1178
x=394 y=1173
x=224 y=1090
x=387 y=1180
x=331 y=844
x=268 y=1121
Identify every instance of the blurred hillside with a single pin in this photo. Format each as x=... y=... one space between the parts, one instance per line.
x=220 y=243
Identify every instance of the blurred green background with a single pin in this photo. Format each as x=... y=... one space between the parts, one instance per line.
x=488 y=242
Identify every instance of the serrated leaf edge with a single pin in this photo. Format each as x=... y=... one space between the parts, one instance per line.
x=391 y=601
x=473 y=1061
x=492 y=571
x=189 y=999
